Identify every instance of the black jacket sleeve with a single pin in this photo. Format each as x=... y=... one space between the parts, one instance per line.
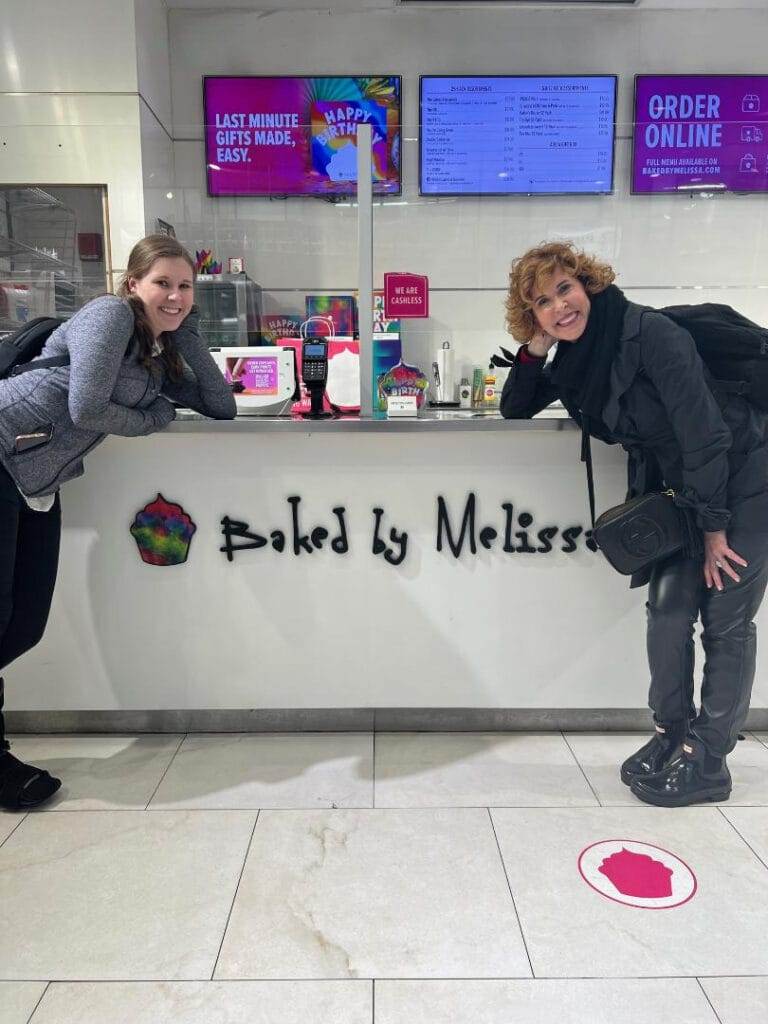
x=527 y=390
x=672 y=363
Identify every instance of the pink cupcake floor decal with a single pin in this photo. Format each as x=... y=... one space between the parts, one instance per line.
x=163 y=532
x=637 y=874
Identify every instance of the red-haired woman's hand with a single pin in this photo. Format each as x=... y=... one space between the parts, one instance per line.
x=717 y=558
x=541 y=343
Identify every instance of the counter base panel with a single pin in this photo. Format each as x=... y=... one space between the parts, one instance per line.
x=345 y=720
x=508 y=626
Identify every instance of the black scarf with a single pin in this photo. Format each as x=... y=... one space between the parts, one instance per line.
x=581 y=370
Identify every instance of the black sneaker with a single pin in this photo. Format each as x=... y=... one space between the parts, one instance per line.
x=655 y=754
x=693 y=776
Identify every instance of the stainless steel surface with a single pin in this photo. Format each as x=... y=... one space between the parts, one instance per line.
x=188 y=422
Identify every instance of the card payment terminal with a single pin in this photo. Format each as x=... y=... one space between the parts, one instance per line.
x=314 y=372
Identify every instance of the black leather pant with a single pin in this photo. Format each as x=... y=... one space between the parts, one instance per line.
x=677 y=597
x=29 y=558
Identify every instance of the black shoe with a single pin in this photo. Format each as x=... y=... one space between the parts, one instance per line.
x=655 y=754
x=23 y=786
x=693 y=776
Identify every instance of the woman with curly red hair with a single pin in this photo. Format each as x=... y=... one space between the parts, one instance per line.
x=628 y=374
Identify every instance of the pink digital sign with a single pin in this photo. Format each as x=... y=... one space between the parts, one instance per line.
x=703 y=132
x=298 y=136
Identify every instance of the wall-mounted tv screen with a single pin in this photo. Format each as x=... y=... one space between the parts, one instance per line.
x=281 y=136
x=700 y=132
x=516 y=134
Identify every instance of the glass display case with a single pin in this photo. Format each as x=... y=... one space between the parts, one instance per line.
x=230 y=309
x=52 y=252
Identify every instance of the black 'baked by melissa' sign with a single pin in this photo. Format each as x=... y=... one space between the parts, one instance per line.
x=514 y=534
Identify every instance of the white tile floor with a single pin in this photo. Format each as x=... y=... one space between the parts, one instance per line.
x=348 y=878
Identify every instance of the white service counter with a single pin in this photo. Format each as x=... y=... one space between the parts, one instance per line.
x=276 y=629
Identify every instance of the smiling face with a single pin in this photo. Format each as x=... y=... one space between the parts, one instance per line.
x=561 y=306
x=166 y=291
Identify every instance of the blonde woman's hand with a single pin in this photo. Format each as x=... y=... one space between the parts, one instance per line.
x=717 y=558
x=541 y=343
x=162 y=412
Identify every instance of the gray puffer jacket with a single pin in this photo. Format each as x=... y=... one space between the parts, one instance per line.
x=104 y=390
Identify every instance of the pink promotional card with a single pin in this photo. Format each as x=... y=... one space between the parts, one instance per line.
x=406 y=296
x=252 y=375
x=343 y=387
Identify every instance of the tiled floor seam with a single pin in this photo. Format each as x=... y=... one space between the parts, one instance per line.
x=167 y=769
x=15 y=827
x=704 y=993
x=581 y=769
x=362 y=807
x=511 y=894
x=742 y=838
x=31 y=1017
x=234 y=897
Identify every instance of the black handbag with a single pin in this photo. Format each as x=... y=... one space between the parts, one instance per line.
x=641 y=531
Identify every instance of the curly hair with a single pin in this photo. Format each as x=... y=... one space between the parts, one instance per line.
x=533 y=267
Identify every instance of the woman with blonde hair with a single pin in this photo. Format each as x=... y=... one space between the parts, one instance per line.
x=630 y=375
x=123 y=360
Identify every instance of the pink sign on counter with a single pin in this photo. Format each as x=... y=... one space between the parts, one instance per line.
x=406 y=296
x=254 y=375
x=342 y=389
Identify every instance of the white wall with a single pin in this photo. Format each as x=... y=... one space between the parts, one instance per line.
x=79 y=139
x=657 y=244
x=153 y=58
x=76 y=46
x=73 y=82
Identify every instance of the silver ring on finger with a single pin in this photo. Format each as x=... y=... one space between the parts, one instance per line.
x=719 y=565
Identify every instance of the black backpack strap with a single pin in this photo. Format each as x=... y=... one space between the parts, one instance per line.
x=39 y=364
x=586 y=456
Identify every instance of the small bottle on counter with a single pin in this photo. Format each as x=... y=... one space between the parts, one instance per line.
x=489 y=391
x=465 y=394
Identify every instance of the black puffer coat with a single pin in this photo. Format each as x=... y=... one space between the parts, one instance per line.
x=710 y=448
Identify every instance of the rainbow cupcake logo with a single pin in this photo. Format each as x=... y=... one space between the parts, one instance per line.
x=163 y=532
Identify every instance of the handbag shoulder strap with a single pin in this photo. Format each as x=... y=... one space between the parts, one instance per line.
x=586 y=456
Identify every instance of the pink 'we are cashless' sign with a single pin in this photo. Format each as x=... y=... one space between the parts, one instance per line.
x=406 y=296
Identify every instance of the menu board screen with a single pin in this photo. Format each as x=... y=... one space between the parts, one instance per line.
x=294 y=136
x=509 y=135
x=700 y=132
